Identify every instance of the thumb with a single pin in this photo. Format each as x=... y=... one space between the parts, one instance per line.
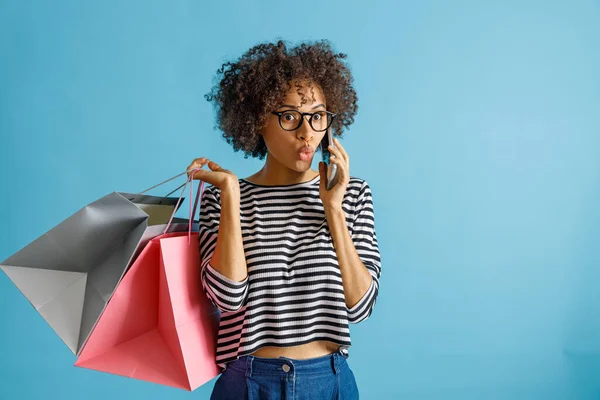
x=323 y=174
x=213 y=166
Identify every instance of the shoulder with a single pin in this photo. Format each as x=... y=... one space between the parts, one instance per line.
x=215 y=191
x=358 y=187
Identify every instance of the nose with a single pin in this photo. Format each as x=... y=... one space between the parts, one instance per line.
x=305 y=131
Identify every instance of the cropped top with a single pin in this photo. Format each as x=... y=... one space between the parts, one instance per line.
x=293 y=293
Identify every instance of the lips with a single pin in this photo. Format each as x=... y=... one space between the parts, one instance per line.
x=306 y=153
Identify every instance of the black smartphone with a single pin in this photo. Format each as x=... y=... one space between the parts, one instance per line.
x=326 y=155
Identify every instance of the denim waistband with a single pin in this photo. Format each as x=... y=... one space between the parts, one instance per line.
x=252 y=365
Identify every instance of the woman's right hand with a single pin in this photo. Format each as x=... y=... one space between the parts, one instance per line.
x=217 y=176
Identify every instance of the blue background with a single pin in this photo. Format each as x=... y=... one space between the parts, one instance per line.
x=478 y=131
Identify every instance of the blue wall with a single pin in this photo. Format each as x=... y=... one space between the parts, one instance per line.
x=478 y=131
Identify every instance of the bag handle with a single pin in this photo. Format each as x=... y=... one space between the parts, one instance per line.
x=189 y=180
x=162 y=183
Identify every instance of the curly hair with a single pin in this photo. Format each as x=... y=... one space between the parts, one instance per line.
x=248 y=89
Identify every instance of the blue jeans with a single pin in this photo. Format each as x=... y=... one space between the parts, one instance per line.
x=256 y=378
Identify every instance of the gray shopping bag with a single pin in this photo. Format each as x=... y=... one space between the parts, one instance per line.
x=69 y=273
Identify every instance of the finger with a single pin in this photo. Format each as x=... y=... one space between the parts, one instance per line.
x=339 y=154
x=341 y=158
x=214 y=166
x=341 y=169
x=190 y=169
x=198 y=173
x=206 y=176
x=335 y=152
x=198 y=162
x=341 y=149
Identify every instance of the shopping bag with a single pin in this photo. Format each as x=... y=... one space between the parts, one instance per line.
x=69 y=273
x=159 y=326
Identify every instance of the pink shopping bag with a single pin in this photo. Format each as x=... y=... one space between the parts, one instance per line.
x=158 y=326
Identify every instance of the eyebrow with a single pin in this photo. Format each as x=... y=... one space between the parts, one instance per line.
x=315 y=107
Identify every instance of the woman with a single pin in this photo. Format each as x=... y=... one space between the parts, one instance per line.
x=289 y=263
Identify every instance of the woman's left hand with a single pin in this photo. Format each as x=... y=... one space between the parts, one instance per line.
x=332 y=199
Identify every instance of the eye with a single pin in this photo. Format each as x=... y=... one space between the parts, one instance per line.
x=289 y=116
x=317 y=117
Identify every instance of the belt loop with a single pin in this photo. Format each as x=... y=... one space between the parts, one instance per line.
x=249 y=360
x=335 y=363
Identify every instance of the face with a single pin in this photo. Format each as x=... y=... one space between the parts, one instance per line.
x=295 y=149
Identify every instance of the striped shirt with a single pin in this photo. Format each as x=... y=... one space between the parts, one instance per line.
x=293 y=293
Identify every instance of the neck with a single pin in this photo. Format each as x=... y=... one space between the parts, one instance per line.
x=274 y=173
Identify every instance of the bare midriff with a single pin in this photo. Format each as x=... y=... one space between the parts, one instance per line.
x=314 y=349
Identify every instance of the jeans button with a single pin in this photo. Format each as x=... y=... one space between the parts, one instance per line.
x=286 y=368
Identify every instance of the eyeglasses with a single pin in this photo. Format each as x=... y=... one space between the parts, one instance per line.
x=292 y=120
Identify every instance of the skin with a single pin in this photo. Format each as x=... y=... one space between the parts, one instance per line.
x=283 y=166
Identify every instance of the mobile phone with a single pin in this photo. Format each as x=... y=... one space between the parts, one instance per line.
x=326 y=154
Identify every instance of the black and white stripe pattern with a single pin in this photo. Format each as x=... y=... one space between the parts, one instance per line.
x=293 y=293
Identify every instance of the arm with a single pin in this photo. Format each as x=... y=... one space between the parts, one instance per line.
x=358 y=255
x=224 y=272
